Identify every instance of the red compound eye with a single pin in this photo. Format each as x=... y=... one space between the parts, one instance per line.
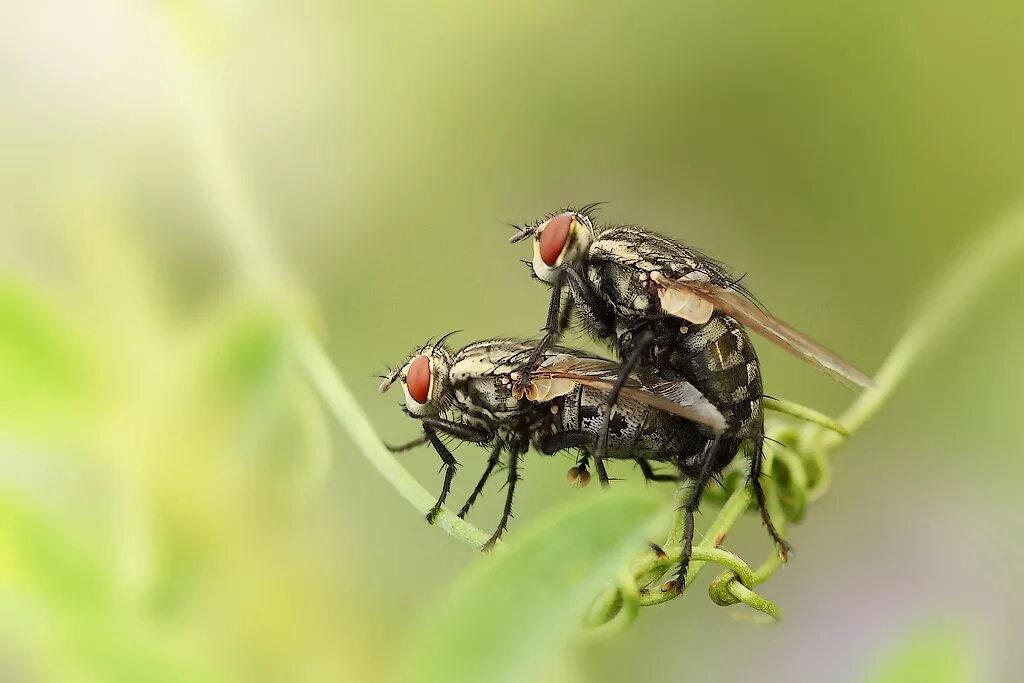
x=552 y=240
x=418 y=379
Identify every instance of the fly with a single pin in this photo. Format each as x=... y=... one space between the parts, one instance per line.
x=670 y=311
x=473 y=395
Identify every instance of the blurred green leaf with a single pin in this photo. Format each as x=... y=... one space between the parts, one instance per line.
x=508 y=616
x=120 y=649
x=945 y=653
x=44 y=379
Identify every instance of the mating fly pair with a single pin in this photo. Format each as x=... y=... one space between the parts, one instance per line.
x=477 y=395
x=688 y=390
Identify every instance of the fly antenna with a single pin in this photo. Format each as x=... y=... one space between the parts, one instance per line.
x=521 y=234
x=389 y=379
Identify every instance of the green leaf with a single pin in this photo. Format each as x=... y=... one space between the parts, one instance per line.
x=936 y=653
x=507 y=617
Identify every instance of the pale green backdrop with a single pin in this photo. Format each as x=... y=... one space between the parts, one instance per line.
x=175 y=504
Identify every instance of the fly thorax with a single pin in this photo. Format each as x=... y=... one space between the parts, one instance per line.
x=628 y=290
x=490 y=397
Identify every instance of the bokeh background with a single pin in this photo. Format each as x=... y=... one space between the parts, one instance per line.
x=176 y=504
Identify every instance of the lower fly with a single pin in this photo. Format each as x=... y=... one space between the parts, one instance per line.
x=472 y=396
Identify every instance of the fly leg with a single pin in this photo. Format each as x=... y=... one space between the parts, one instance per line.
x=707 y=470
x=551 y=329
x=408 y=446
x=513 y=476
x=449 y=471
x=642 y=341
x=491 y=462
x=463 y=432
x=553 y=443
x=593 y=307
x=650 y=474
x=566 y=315
x=582 y=295
x=755 y=484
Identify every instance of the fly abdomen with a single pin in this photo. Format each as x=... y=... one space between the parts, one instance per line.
x=717 y=358
x=635 y=429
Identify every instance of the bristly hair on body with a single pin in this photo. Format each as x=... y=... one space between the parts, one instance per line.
x=721 y=270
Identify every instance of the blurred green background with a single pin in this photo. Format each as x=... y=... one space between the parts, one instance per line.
x=176 y=505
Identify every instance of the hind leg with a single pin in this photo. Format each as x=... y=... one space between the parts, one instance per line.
x=756 y=459
x=650 y=474
x=643 y=340
x=711 y=455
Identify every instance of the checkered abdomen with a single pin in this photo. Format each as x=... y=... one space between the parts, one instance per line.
x=719 y=360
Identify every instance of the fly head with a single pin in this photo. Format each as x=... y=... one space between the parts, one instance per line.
x=425 y=380
x=560 y=240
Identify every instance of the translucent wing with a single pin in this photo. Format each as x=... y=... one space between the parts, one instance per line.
x=697 y=296
x=559 y=374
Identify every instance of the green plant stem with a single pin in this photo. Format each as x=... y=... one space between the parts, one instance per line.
x=804 y=413
x=706 y=551
x=243 y=230
x=951 y=295
x=343 y=405
x=755 y=601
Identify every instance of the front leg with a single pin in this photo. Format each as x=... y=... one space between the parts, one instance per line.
x=565 y=317
x=593 y=306
x=449 y=471
x=551 y=330
x=408 y=446
x=460 y=430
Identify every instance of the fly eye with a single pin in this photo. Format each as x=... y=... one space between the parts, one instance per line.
x=554 y=237
x=418 y=379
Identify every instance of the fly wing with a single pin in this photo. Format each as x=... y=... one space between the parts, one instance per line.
x=675 y=397
x=679 y=398
x=746 y=312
